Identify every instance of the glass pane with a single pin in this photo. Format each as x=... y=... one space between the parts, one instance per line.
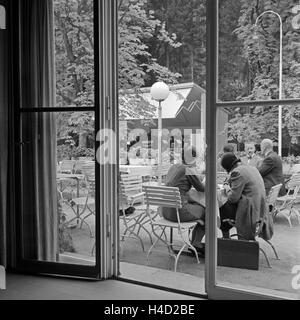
x=74 y=53
x=254 y=211
x=57 y=55
x=58 y=187
x=169 y=37
x=253 y=36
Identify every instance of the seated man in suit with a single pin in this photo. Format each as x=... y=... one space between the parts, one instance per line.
x=246 y=196
x=185 y=176
x=271 y=167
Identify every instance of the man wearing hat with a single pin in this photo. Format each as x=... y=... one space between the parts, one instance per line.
x=246 y=194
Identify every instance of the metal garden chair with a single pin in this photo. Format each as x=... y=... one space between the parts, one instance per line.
x=286 y=204
x=85 y=205
x=66 y=166
x=132 y=196
x=159 y=172
x=271 y=201
x=160 y=196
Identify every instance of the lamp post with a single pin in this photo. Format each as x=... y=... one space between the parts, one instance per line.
x=159 y=92
x=280 y=77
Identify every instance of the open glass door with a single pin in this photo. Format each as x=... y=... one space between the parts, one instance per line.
x=162 y=49
x=65 y=99
x=251 y=79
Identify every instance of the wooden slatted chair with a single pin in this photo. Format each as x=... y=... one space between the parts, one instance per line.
x=86 y=164
x=88 y=168
x=132 y=195
x=85 y=158
x=286 y=204
x=65 y=184
x=296 y=168
x=271 y=204
x=66 y=166
x=160 y=171
x=160 y=196
x=86 y=205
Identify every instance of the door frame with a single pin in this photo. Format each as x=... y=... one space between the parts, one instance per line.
x=105 y=66
x=214 y=290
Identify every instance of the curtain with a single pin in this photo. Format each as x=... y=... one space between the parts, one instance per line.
x=38 y=131
x=3 y=143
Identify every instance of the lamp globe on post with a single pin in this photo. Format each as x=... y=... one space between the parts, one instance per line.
x=159 y=92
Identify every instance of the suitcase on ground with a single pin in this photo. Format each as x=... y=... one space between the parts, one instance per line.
x=238 y=254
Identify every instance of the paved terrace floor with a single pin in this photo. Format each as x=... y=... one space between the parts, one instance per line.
x=24 y=287
x=191 y=275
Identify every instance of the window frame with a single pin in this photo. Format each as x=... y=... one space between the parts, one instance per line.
x=214 y=290
x=106 y=102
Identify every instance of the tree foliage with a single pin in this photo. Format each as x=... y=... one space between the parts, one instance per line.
x=261 y=52
x=166 y=40
x=74 y=43
x=186 y=20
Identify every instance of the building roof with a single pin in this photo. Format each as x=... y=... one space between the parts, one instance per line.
x=186 y=96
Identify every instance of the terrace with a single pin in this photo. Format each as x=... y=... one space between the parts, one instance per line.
x=159 y=269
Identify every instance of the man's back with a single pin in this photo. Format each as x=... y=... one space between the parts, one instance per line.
x=246 y=180
x=271 y=171
x=184 y=177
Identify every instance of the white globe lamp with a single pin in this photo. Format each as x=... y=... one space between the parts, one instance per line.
x=159 y=92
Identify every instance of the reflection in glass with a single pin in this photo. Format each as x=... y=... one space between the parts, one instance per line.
x=58 y=186
x=74 y=53
x=171 y=41
x=245 y=130
x=258 y=50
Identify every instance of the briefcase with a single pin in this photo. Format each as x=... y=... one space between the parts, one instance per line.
x=238 y=254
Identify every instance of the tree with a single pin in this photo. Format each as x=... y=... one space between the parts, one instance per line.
x=74 y=43
x=186 y=19
x=233 y=67
x=166 y=40
x=261 y=51
x=137 y=65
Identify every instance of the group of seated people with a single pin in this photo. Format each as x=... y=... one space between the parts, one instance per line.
x=246 y=188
